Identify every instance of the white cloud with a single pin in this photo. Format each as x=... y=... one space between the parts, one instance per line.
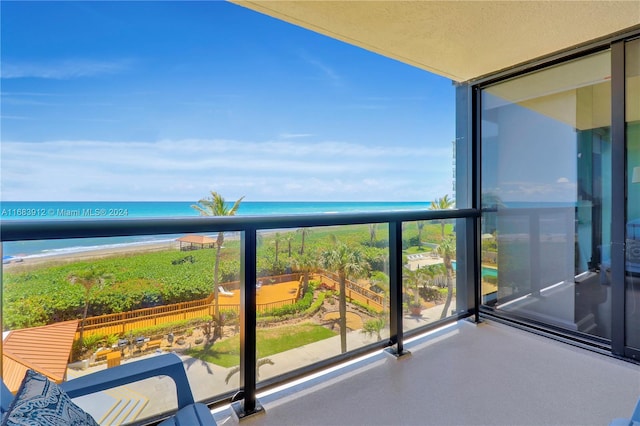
x=294 y=135
x=188 y=169
x=324 y=69
x=62 y=70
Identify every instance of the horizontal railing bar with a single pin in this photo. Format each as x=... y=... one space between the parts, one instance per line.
x=523 y=211
x=24 y=230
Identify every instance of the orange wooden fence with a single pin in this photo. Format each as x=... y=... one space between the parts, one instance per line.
x=124 y=322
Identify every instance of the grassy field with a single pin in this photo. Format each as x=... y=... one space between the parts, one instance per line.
x=226 y=353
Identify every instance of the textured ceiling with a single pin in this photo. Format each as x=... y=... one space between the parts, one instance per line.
x=461 y=40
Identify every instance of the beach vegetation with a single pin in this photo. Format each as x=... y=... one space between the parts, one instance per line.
x=42 y=293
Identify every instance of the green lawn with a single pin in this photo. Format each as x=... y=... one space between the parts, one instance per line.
x=270 y=341
x=416 y=250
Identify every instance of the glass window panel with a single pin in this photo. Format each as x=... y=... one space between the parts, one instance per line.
x=325 y=289
x=632 y=310
x=133 y=297
x=430 y=272
x=545 y=193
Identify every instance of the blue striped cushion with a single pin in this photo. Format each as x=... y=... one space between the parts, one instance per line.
x=39 y=401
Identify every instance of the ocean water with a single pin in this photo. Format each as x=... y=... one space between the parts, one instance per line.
x=71 y=210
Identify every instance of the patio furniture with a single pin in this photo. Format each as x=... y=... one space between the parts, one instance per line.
x=189 y=412
x=633 y=421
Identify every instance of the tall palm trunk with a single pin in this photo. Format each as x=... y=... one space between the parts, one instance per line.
x=216 y=291
x=449 y=267
x=84 y=319
x=342 y=306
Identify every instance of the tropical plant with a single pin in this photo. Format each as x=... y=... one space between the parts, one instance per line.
x=374 y=326
x=447 y=249
x=303 y=232
x=306 y=263
x=412 y=280
x=442 y=203
x=380 y=283
x=346 y=262
x=88 y=278
x=215 y=205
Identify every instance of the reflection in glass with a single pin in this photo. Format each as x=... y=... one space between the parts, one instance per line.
x=632 y=263
x=545 y=194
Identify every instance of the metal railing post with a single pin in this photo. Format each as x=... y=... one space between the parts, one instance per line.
x=246 y=402
x=395 y=290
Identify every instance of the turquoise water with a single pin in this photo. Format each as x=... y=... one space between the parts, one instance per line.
x=13 y=210
x=50 y=210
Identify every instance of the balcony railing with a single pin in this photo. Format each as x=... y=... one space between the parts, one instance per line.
x=466 y=268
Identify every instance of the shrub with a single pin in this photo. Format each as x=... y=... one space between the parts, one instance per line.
x=430 y=293
x=315 y=306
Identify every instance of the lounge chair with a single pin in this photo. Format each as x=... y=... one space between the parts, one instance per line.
x=189 y=412
x=224 y=292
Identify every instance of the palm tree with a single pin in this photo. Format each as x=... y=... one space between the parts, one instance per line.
x=420 y=224
x=413 y=280
x=276 y=242
x=215 y=205
x=88 y=278
x=447 y=249
x=306 y=264
x=380 y=280
x=346 y=263
x=443 y=203
x=289 y=237
x=304 y=232
x=373 y=227
x=374 y=326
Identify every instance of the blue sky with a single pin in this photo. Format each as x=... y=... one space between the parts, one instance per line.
x=142 y=101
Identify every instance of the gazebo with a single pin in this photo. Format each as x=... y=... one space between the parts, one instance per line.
x=195 y=242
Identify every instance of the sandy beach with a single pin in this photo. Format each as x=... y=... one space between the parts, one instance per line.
x=57 y=259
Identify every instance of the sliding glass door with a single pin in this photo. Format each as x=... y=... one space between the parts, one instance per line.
x=632 y=242
x=546 y=198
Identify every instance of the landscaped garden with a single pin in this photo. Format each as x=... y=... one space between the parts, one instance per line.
x=63 y=290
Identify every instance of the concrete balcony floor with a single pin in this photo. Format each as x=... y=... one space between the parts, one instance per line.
x=465 y=374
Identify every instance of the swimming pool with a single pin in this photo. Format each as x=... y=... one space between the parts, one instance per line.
x=487 y=271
